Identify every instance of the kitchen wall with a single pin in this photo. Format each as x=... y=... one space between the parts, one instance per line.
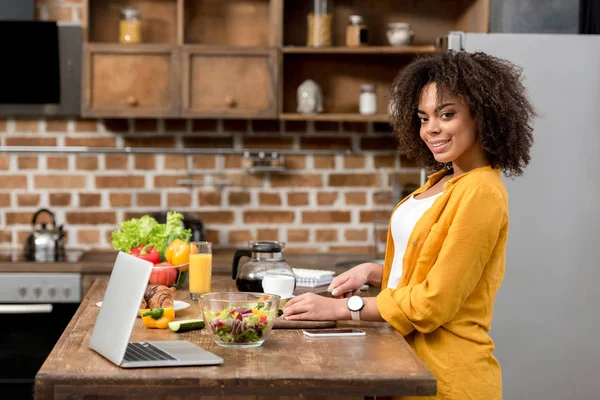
x=534 y=16
x=321 y=203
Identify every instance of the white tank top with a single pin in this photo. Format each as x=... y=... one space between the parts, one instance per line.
x=403 y=222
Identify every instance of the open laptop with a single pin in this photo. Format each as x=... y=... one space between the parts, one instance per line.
x=119 y=310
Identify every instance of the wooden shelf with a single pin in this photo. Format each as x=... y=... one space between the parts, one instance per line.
x=335 y=117
x=359 y=50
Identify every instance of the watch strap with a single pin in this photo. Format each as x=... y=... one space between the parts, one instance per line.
x=355 y=315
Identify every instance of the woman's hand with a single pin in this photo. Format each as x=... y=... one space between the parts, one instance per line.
x=348 y=283
x=312 y=307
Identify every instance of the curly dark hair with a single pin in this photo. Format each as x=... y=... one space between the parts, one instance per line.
x=494 y=93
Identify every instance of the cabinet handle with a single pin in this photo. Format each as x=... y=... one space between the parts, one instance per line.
x=230 y=102
x=132 y=101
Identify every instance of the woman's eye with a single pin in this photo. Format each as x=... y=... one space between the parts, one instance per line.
x=422 y=119
x=447 y=115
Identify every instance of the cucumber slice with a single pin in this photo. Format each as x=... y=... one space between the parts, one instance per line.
x=186 y=325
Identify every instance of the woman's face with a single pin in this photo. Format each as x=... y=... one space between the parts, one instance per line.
x=448 y=129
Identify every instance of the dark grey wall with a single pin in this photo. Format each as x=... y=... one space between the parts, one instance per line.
x=534 y=16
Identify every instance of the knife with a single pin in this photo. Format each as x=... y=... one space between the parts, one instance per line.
x=327 y=293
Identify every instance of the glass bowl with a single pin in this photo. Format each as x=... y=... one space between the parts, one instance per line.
x=169 y=275
x=239 y=319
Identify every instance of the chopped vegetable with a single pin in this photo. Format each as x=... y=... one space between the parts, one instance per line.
x=186 y=325
x=157 y=317
x=240 y=324
x=146 y=252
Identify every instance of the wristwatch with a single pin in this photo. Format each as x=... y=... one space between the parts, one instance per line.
x=355 y=304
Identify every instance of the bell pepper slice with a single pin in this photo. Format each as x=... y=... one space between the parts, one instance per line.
x=158 y=318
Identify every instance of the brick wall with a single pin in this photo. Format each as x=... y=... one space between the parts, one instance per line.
x=321 y=202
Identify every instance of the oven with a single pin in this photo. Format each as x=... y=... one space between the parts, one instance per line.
x=35 y=308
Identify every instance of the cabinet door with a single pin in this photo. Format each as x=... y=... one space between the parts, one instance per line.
x=136 y=81
x=229 y=83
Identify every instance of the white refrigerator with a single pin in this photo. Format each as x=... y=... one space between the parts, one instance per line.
x=547 y=317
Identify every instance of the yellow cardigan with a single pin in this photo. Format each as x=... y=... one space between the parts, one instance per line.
x=451 y=271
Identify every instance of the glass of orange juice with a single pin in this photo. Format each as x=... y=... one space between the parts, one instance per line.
x=200 y=269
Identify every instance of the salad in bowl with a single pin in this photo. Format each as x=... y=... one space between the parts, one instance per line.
x=239 y=319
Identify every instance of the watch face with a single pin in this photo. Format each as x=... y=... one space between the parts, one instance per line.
x=355 y=303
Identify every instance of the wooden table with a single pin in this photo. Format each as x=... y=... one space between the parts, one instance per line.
x=287 y=364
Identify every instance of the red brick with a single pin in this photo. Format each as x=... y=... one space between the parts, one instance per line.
x=60 y=199
x=4 y=162
x=384 y=161
x=5 y=236
x=353 y=180
x=231 y=161
x=145 y=161
x=205 y=162
x=13 y=182
x=56 y=125
x=145 y=125
x=352 y=249
x=86 y=236
x=60 y=181
x=238 y=198
x=148 y=199
x=91 y=142
x=297 y=199
x=269 y=199
x=88 y=163
x=303 y=180
x=325 y=217
x=3 y=125
x=237 y=236
x=382 y=142
x=204 y=125
x=5 y=200
x=21 y=217
x=233 y=125
x=28 y=200
x=213 y=236
x=22 y=236
x=213 y=142
x=175 y=200
x=175 y=125
x=267 y=234
x=90 y=199
x=217 y=217
x=378 y=215
x=175 y=161
x=268 y=142
x=382 y=197
x=27 y=162
x=356 y=198
x=116 y=125
x=120 y=199
x=326 y=235
x=405 y=179
x=120 y=182
x=59 y=13
x=57 y=162
x=30 y=141
x=406 y=162
x=297 y=235
x=381 y=235
x=295 y=162
x=154 y=141
x=356 y=235
x=303 y=250
x=326 y=199
x=209 y=198
x=115 y=161
x=268 y=217
x=166 y=181
x=27 y=125
x=326 y=143
x=353 y=162
x=86 y=125
x=91 y=218
x=243 y=180
x=324 y=162
x=265 y=125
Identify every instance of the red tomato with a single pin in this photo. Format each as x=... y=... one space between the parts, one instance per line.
x=163 y=275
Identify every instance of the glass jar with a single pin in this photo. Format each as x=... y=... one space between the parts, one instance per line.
x=320 y=23
x=130 y=26
x=400 y=34
x=356 y=32
x=367 y=104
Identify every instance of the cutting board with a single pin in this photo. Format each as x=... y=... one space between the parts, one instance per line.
x=281 y=323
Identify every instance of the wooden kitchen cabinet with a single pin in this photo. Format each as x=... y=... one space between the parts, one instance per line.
x=229 y=83
x=131 y=81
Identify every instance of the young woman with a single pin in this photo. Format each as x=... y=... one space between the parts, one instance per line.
x=466 y=115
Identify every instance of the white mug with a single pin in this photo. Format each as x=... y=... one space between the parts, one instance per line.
x=281 y=285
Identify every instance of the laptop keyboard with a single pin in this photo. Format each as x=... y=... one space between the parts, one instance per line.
x=143 y=351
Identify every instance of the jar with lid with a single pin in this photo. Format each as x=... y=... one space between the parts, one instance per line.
x=320 y=23
x=399 y=33
x=130 y=26
x=356 y=32
x=367 y=104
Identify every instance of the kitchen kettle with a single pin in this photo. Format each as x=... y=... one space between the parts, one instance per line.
x=45 y=243
x=265 y=257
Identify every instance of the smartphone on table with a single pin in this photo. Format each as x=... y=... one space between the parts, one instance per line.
x=333 y=332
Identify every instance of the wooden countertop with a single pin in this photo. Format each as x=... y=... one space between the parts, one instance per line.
x=287 y=364
x=99 y=262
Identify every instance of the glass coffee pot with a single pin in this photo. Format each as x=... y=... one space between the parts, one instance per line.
x=264 y=258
